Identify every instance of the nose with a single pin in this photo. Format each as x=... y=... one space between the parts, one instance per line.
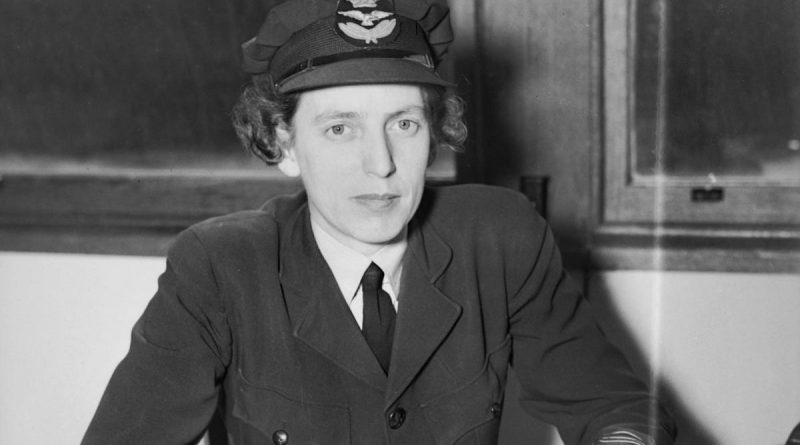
x=378 y=160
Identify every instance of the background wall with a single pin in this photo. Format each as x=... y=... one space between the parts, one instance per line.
x=724 y=348
x=65 y=323
x=527 y=71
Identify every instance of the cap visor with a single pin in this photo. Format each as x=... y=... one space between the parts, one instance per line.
x=362 y=71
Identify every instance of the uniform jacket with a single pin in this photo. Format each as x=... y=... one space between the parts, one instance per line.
x=248 y=318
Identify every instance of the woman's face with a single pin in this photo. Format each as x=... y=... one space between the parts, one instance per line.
x=361 y=152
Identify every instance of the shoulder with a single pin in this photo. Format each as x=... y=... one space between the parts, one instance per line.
x=494 y=229
x=479 y=206
x=485 y=221
x=243 y=229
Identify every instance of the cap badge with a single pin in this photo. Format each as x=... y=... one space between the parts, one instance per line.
x=364 y=23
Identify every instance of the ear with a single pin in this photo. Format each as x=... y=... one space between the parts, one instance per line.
x=288 y=163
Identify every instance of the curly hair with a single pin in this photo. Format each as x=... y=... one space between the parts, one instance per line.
x=261 y=109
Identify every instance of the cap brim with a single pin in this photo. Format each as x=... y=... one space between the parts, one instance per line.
x=362 y=71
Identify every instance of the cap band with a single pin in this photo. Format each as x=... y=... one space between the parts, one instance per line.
x=310 y=64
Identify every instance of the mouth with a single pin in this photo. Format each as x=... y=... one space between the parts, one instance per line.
x=376 y=201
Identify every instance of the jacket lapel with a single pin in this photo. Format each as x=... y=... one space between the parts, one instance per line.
x=322 y=320
x=425 y=315
x=317 y=310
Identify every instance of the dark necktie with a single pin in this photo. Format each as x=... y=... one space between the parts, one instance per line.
x=378 y=322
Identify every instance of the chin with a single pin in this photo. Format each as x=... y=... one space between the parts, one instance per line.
x=382 y=235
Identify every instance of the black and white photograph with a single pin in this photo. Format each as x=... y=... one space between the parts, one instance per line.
x=400 y=222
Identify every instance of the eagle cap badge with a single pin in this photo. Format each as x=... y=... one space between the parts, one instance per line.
x=366 y=22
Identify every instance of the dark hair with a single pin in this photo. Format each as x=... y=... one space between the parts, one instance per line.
x=261 y=109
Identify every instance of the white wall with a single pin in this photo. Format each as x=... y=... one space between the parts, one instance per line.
x=65 y=322
x=727 y=345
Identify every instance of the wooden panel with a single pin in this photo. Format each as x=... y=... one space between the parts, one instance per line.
x=535 y=117
x=155 y=201
x=121 y=214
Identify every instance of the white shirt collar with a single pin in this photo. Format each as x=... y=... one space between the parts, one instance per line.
x=348 y=265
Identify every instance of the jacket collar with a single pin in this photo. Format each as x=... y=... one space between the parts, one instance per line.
x=317 y=310
x=321 y=319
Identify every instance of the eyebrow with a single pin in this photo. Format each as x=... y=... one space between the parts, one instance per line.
x=408 y=110
x=335 y=114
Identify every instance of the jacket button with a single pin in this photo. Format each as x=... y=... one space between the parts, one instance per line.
x=495 y=410
x=396 y=418
x=280 y=437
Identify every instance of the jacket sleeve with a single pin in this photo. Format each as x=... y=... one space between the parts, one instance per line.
x=570 y=375
x=165 y=390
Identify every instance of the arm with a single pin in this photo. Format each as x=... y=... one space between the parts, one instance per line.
x=571 y=376
x=165 y=390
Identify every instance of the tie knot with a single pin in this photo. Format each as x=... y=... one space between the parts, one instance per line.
x=372 y=279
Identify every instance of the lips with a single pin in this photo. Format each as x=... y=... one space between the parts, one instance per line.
x=376 y=201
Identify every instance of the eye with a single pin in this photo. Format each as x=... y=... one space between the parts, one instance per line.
x=337 y=130
x=407 y=125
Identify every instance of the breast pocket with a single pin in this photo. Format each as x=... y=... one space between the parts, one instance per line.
x=287 y=418
x=473 y=406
